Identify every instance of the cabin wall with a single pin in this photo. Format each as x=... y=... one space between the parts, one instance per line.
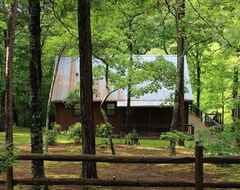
x=65 y=116
x=144 y=119
x=115 y=120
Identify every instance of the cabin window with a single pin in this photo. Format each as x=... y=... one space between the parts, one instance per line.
x=111 y=109
x=76 y=109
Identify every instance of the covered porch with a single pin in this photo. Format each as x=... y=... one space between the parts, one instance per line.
x=150 y=120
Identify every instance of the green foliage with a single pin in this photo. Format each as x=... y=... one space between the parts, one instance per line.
x=133 y=134
x=175 y=135
x=235 y=129
x=75 y=132
x=156 y=74
x=7 y=159
x=53 y=133
x=104 y=130
x=73 y=97
x=132 y=137
x=217 y=142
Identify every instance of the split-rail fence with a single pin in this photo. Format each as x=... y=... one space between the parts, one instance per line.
x=198 y=160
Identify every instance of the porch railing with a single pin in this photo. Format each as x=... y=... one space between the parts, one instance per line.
x=156 y=129
x=212 y=119
x=196 y=111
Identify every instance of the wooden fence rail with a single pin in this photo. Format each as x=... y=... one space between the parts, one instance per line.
x=198 y=160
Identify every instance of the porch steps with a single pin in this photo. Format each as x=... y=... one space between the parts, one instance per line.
x=197 y=123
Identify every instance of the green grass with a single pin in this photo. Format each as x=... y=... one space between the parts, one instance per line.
x=22 y=136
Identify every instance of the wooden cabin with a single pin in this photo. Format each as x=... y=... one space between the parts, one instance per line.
x=149 y=114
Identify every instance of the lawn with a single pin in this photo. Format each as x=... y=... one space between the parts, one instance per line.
x=21 y=135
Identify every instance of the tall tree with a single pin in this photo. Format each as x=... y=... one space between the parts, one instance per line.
x=89 y=169
x=35 y=90
x=9 y=85
x=3 y=45
x=178 y=111
x=235 y=97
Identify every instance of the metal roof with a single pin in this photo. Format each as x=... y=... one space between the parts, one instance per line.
x=68 y=77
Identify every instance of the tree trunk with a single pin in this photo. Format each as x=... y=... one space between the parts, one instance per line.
x=178 y=111
x=8 y=91
x=223 y=108
x=35 y=91
x=235 y=94
x=129 y=86
x=128 y=106
x=198 y=79
x=107 y=122
x=50 y=97
x=2 y=95
x=89 y=169
x=104 y=112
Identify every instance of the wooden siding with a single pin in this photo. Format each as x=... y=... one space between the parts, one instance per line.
x=115 y=120
x=143 y=119
x=65 y=116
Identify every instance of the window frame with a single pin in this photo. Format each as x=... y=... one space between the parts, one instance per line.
x=109 y=110
x=76 y=109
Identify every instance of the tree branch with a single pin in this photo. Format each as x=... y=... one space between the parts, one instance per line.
x=214 y=26
x=199 y=42
x=60 y=20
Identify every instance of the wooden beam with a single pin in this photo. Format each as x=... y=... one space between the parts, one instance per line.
x=222 y=160
x=99 y=182
x=226 y=185
x=103 y=158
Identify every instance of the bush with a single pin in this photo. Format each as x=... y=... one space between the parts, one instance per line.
x=7 y=160
x=131 y=138
x=219 y=143
x=53 y=133
x=104 y=130
x=176 y=135
x=75 y=132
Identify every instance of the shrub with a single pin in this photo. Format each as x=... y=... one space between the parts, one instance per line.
x=7 y=160
x=104 y=130
x=217 y=142
x=131 y=138
x=75 y=132
x=176 y=135
x=53 y=133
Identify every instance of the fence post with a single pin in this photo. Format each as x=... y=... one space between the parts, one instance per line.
x=198 y=167
x=9 y=178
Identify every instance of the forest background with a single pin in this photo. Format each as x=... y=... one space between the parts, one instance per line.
x=120 y=28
